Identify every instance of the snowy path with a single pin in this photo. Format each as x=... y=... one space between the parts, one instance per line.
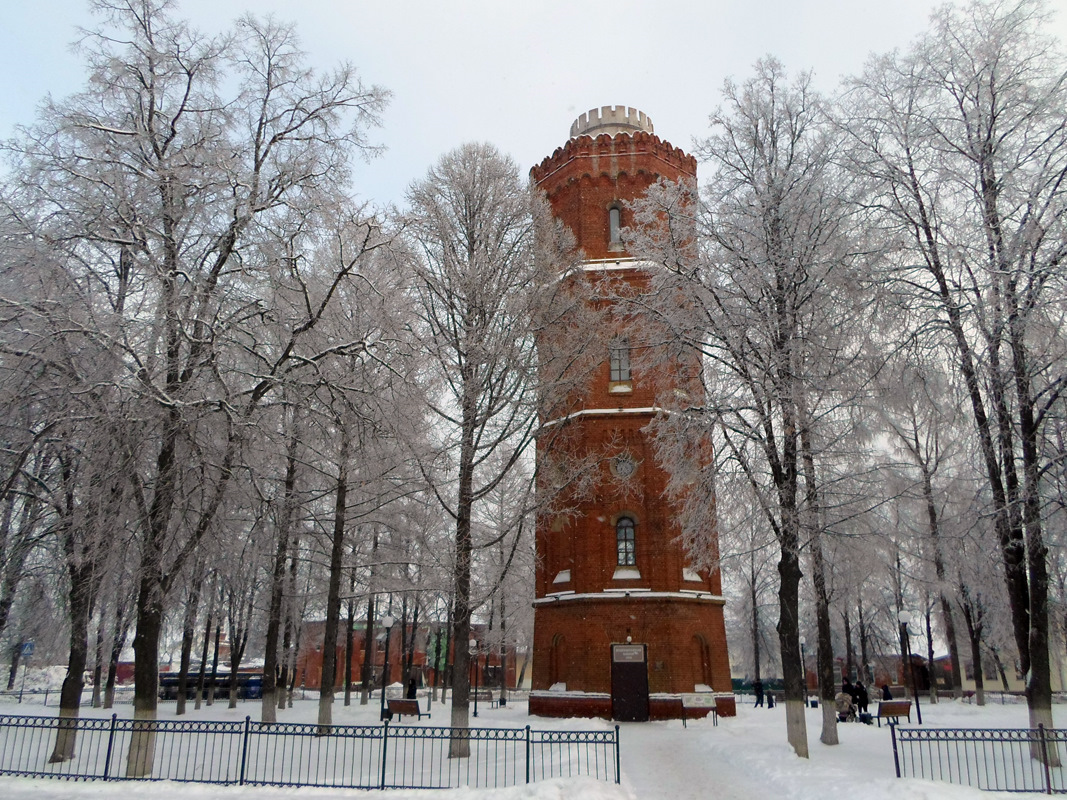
x=697 y=763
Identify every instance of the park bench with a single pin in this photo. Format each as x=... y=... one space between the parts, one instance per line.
x=484 y=696
x=410 y=707
x=700 y=700
x=893 y=709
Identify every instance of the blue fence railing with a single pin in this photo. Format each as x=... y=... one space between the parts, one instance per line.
x=993 y=759
x=288 y=754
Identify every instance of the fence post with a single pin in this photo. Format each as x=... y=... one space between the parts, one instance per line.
x=893 y=736
x=1044 y=757
x=385 y=748
x=618 y=758
x=110 y=746
x=527 y=753
x=244 y=750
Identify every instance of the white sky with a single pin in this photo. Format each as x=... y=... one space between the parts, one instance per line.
x=512 y=73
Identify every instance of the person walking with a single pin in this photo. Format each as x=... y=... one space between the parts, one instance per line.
x=757 y=689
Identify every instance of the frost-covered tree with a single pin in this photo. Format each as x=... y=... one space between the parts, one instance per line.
x=475 y=287
x=156 y=183
x=963 y=141
x=754 y=278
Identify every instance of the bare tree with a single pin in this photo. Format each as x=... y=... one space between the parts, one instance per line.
x=749 y=280
x=964 y=143
x=475 y=287
x=159 y=187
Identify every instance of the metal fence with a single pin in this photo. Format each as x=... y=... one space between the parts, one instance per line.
x=1004 y=760
x=287 y=754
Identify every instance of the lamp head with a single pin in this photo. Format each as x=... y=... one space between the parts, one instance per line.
x=904 y=616
x=387 y=621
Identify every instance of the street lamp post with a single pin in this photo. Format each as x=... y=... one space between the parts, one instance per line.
x=904 y=617
x=474 y=654
x=804 y=668
x=387 y=623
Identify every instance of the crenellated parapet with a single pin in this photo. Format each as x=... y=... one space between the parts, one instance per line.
x=611 y=120
x=608 y=154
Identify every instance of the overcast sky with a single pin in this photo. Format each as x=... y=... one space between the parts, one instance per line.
x=509 y=72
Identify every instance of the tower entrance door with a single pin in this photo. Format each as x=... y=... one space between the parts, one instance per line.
x=629 y=682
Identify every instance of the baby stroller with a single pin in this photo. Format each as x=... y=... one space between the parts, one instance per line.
x=846 y=709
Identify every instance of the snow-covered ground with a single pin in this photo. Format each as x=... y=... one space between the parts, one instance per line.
x=742 y=758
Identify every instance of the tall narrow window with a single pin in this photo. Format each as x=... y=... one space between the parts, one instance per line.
x=615 y=225
x=620 y=360
x=624 y=536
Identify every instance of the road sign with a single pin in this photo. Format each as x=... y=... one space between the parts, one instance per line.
x=27 y=649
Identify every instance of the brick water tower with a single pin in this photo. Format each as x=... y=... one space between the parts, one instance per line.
x=623 y=626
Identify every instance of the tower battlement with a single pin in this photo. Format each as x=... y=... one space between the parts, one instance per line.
x=611 y=120
x=615 y=150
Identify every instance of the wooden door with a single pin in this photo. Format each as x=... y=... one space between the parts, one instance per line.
x=629 y=682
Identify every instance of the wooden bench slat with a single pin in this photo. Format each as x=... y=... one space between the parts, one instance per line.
x=894 y=709
x=399 y=707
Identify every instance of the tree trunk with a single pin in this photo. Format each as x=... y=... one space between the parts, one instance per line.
x=349 y=644
x=972 y=617
x=287 y=680
x=239 y=639
x=214 y=683
x=850 y=656
x=269 y=700
x=754 y=600
x=934 y=527
x=789 y=641
x=188 y=632
x=140 y=758
x=118 y=642
x=929 y=631
x=81 y=610
x=201 y=678
x=438 y=667
x=503 y=650
x=333 y=594
x=368 y=653
x=98 y=662
x=825 y=656
x=865 y=662
x=459 y=747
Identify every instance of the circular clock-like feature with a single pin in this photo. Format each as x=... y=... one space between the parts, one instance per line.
x=624 y=466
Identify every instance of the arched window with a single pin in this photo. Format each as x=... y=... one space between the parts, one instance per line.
x=624 y=538
x=620 y=360
x=615 y=226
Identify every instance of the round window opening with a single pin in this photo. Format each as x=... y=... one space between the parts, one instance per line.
x=624 y=466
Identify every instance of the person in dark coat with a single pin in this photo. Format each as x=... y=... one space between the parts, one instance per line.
x=862 y=698
x=853 y=690
x=757 y=689
x=412 y=689
x=886 y=694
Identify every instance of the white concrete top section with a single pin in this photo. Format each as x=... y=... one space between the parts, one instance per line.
x=611 y=120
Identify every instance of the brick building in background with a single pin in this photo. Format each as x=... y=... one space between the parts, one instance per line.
x=309 y=657
x=622 y=625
